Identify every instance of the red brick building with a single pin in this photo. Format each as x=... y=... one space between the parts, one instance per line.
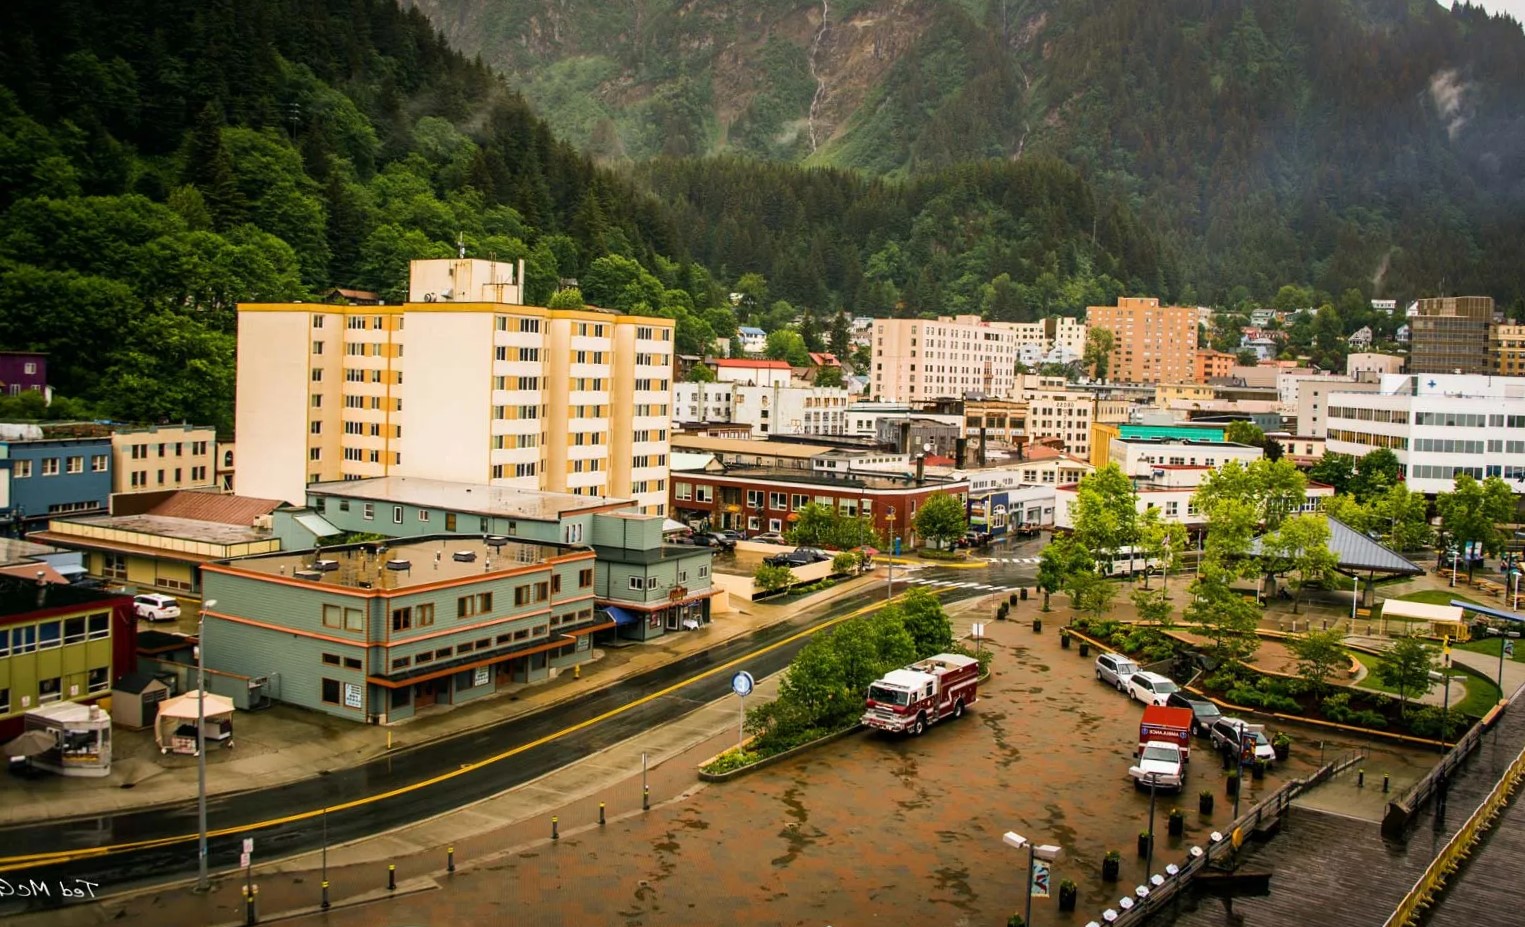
x=753 y=501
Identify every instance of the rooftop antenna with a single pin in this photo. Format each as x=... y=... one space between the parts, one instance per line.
x=460 y=244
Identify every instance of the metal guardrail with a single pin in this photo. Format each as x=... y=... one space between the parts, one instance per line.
x=1162 y=888
x=1449 y=857
x=1400 y=811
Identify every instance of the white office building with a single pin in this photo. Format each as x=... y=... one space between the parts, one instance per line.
x=1438 y=425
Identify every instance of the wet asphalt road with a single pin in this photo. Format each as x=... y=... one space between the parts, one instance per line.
x=173 y=830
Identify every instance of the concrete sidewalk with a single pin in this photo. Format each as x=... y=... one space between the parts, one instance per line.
x=285 y=744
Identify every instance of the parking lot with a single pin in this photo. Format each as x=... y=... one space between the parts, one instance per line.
x=875 y=827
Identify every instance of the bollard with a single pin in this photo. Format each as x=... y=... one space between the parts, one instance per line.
x=555 y=829
x=251 y=907
x=577 y=671
x=600 y=814
x=1360 y=778
x=645 y=798
x=391 y=877
x=1384 y=782
x=449 y=859
x=325 y=895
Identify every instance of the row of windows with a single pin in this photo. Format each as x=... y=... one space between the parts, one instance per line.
x=1441 y=472
x=1394 y=416
x=140 y=451
x=1449 y=446
x=1452 y=419
x=505 y=323
x=652 y=333
x=50 y=689
x=512 y=471
x=21 y=469
x=1370 y=440
x=50 y=634
x=139 y=478
x=365 y=349
x=355 y=375
x=641 y=486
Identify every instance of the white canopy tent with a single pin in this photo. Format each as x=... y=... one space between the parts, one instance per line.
x=1443 y=620
x=175 y=726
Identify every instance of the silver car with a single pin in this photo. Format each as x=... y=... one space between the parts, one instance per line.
x=1114 y=670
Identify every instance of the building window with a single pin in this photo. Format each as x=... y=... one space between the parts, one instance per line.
x=468 y=605
x=99 y=626
x=333 y=616
x=97 y=463
x=423 y=514
x=50 y=466
x=74 y=630
x=521 y=595
x=49 y=690
x=76 y=465
x=5 y=701
x=331 y=690
x=331 y=659
x=48 y=635
x=402 y=618
x=585 y=579
x=21 y=469
x=396 y=514
x=368 y=512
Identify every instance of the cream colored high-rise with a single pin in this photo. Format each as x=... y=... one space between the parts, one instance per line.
x=1151 y=343
x=462 y=383
x=920 y=359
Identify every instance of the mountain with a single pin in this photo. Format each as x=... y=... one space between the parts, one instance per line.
x=1376 y=145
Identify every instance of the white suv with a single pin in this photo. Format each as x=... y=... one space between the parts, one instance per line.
x=1150 y=688
x=1114 y=670
x=155 y=607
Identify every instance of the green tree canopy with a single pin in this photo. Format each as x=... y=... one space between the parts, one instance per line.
x=941 y=518
x=787 y=345
x=821 y=525
x=1472 y=512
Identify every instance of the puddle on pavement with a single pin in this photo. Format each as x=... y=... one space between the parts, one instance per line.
x=957 y=882
x=1008 y=753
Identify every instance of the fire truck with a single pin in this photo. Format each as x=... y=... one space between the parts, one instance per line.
x=909 y=700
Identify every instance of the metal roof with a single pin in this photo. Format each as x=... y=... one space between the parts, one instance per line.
x=1359 y=552
x=215 y=507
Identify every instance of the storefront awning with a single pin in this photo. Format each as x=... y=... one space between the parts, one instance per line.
x=619 y=616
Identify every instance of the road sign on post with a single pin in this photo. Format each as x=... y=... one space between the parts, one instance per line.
x=742 y=684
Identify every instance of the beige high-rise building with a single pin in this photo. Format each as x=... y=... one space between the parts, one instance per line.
x=1450 y=334
x=495 y=392
x=919 y=359
x=1151 y=343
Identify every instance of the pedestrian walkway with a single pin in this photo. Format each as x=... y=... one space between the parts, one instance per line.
x=1013 y=560
x=954 y=584
x=286 y=744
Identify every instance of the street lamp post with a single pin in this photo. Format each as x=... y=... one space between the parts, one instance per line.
x=1046 y=852
x=1445 y=711
x=201 y=744
x=1149 y=857
x=889 y=562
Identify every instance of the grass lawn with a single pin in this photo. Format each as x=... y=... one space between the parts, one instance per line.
x=1482 y=694
x=1491 y=645
x=1437 y=597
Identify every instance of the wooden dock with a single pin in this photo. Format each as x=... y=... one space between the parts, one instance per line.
x=1337 y=871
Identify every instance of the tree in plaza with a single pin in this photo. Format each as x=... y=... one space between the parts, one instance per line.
x=1098 y=351
x=825 y=684
x=823 y=526
x=1105 y=513
x=1301 y=544
x=941 y=518
x=1406 y=666
x=771 y=578
x=1402 y=518
x=1374 y=472
x=1274 y=489
x=1471 y=512
x=1320 y=655
x=1089 y=593
x=1162 y=540
x=1059 y=559
x=926 y=621
x=1224 y=616
x=1245 y=433
x=846 y=562
x=1153 y=605
x=1334 y=469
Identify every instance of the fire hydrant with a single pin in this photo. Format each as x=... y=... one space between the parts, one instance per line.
x=577 y=671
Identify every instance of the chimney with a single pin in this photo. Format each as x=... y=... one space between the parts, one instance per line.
x=983 y=442
x=921 y=468
x=960 y=451
x=905 y=437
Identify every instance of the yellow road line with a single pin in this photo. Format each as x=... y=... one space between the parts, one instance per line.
x=12 y=863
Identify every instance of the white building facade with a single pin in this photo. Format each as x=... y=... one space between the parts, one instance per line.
x=770 y=410
x=1438 y=425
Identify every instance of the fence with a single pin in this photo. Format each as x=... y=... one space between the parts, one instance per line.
x=1161 y=889
x=1401 y=810
x=1449 y=857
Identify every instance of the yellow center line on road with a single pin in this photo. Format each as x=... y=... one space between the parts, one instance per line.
x=13 y=863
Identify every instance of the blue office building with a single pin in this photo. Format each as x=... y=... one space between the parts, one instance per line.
x=44 y=477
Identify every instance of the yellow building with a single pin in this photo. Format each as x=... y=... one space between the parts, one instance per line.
x=1166 y=393
x=163 y=457
x=1508 y=348
x=495 y=392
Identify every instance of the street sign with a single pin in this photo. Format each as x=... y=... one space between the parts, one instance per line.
x=979 y=629
x=248 y=844
x=1509 y=649
x=742 y=683
x=243 y=861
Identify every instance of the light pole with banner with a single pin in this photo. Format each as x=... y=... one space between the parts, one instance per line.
x=1038 y=858
x=889 y=562
x=742 y=684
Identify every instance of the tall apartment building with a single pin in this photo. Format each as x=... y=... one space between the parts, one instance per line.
x=1449 y=334
x=920 y=359
x=1063 y=331
x=1151 y=343
x=495 y=392
x=163 y=457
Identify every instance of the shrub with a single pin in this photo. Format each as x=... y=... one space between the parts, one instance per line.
x=1222 y=680
x=1368 y=718
x=932 y=553
x=1337 y=708
x=1427 y=721
x=1281 y=703
x=730 y=760
x=1246 y=696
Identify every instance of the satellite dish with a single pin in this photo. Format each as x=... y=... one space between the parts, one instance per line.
x=928 y=447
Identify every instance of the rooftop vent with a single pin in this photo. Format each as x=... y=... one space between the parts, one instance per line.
x=399 y=565
x=325 y=566
x=465 y=556
x=312 y=575
x=495 y=540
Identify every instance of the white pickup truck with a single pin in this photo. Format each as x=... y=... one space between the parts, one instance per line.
x=1161 y=762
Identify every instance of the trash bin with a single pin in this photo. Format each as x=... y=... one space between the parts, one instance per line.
x=1023 y=593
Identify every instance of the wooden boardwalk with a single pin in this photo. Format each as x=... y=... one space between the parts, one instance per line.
x=1337 y=871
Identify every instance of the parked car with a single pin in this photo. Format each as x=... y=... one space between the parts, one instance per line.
x=715 y=540
x=770 y=537
x=800 y=556
x=1114 y=670
x=1234 y=735
x=1150 y=688
x=1203 y=712
x=155 y=607
x=731 y=533
x=973 y=539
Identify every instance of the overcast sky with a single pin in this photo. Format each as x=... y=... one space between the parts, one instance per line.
x=1515 y=8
